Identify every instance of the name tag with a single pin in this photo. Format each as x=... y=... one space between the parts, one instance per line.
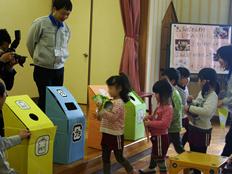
x=61 y=52
x=58 y=52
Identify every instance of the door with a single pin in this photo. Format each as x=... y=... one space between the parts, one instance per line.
x=76 y=68
x=170 y=17
x=107 y=40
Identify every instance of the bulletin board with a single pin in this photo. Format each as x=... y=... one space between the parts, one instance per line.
x=194 y=45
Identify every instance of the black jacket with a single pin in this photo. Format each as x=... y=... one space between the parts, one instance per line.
x=7 y=75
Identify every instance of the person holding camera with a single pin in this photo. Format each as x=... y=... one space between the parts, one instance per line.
x=7 y=60
x=48 y=46
x=7 y=71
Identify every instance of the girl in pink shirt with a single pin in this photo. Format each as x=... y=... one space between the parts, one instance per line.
x=158 y=125
x=113 y=122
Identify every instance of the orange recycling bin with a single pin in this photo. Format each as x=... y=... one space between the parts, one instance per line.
x=94 y=134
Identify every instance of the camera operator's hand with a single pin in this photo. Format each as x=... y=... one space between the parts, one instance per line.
x=7 y=57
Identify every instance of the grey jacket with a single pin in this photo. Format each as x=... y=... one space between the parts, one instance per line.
x=48 y=44
x=7 y=143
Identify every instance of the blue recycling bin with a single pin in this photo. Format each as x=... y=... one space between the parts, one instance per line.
x=67 y=115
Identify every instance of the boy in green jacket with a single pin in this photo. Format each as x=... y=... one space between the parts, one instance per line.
x=172 y=75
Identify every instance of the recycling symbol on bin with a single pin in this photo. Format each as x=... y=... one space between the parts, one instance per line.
x=42 y=145
x=140 y=116
x=77 y=132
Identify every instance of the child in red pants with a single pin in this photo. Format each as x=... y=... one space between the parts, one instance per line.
x=158 y=125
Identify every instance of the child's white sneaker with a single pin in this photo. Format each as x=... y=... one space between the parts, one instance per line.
x=147 y=171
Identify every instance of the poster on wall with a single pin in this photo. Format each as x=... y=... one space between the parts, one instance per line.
x=194 y=45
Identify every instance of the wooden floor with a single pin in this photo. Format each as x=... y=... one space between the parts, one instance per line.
x=216 y=147
x=92 y=162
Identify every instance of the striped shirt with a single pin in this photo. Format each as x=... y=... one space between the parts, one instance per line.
x=113 y=122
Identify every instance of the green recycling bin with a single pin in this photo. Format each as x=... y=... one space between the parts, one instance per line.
x=135 y=112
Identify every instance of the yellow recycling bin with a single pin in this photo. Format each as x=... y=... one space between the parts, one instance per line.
x=33 y=156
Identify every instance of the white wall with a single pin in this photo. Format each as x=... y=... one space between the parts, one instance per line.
x=157 y=9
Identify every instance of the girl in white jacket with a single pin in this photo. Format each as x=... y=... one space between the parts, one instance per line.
x=201 y=110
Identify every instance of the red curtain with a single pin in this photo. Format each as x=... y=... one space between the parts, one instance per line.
x=130 y=10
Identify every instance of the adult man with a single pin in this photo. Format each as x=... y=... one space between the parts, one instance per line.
x=48 y=46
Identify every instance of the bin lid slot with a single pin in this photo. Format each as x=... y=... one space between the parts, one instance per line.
x=34 y=117
x=132 y=98
x=70 y=106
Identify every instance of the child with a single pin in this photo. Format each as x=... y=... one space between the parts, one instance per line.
x=182 y=88
x=7 y=143
x=224 y=57
x=158 y=125
x=201 y=112
x=172 y=75
x=113 y=122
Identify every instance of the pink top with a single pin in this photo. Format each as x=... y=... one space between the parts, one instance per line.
x=113 y=122
x=161 y=120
